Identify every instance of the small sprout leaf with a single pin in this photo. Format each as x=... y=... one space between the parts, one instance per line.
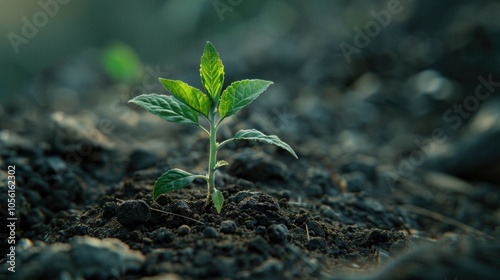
x=255 y=135
x=188 y=95
x=239 y=94
x=171 y=180
x=221 y=163
x=218 y=200
x=211 y=72
x=167 y=108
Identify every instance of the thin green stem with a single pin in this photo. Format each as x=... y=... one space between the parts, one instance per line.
x=213 y=155
x=225 y=142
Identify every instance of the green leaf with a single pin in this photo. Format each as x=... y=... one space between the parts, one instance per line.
x=167 y=108
x=211 y=71
x=121 y=62
x=239 y=94
x=189 y=95
x=218 y=200
x=171 y=180
x=255 y=135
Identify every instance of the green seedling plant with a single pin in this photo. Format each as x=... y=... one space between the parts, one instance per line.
x=187 y=104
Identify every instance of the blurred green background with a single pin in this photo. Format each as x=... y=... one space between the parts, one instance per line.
x=297 y=37
x=417 y=62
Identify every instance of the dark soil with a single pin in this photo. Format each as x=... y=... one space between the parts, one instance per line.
x=365 y=200
x=282 y=218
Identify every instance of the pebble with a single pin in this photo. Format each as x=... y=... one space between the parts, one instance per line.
x=184 y=230
x=133 y=212
x=316 y=243
x=182 y=208
x=136 y=235
x=109 y=210
x=210 y=232
x=244 y=194
x=228 y=226
x=277 y=233
x=163 y=235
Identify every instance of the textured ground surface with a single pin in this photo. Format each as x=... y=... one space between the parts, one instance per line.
x=398 y=169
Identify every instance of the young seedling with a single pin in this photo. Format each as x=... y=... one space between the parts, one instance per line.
x=187 y=103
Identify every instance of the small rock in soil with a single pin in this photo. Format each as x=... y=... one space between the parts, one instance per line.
x=260 y=230
x=133 y=212
x=182 y=208
x=244 y=194
x=210 y=232
x=259 y=203
x=277 y=233
x=109 y=210
x=184 y=230
x=163 y=235
x=136 y=235
x=316 y=243
x=228 y=226
x=315 y=229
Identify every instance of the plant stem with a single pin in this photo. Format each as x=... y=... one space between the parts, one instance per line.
x=213 y=155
